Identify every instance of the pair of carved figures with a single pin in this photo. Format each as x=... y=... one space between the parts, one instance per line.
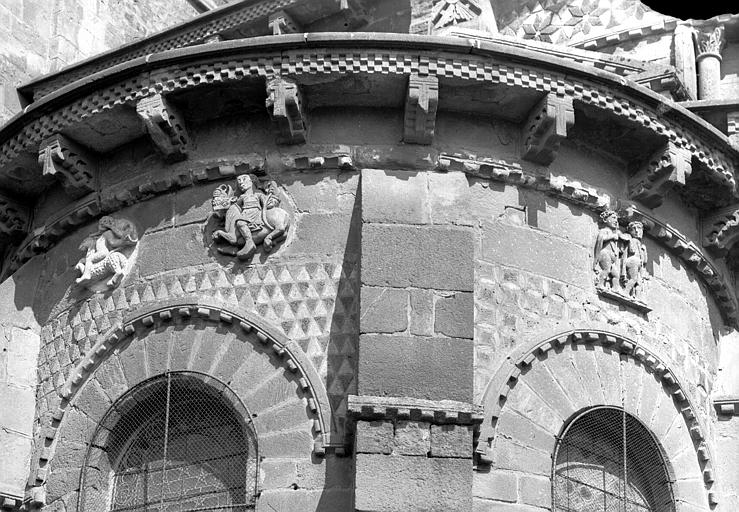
x=250 y=217
x=620 y=258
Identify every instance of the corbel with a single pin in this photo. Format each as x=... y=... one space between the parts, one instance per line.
x=14 y=217
x=285 y=106
x=546 y=127
x=165 y=126
x=72 y=164
x=732 y=128
x=720 y=229
x=281 y=22
x=421 y=104
x=669 y=166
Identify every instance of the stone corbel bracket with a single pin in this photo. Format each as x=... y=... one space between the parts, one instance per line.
x=287 y=352
x=666 y=168
x=693 y=258
x=15 y=217
x=281 y=23
x=75 y=166
x=507 y=377
x=165 y=125
x=286 y=109
x=721 y=230
x=372 y=408
x=421 y=104
x=727 y=407
x=546 y=127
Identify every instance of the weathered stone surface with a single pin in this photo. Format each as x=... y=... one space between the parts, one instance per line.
x=278 y=473
x=534 y=251
x=329 y=472
x=288 y=416
x=422 y=312
x=454 y=316
x=391 y=483
x=495 y=485
x=516 y=457
x=451 y=441
x=170 y=249
x=430 y=368
x=398 y=256
x=535 y=490
x=374 y=437
x=286 y=444
x=412 y=438
x=383 y=310
x=394 y=197
x=17 y=459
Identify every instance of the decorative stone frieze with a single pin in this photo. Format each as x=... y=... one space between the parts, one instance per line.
x=285 y=106
x=420 y=109
x=546 y=127
x=14 y=217
x=71 y=163
x=165 y=126
x=415 y=409
x=108 y=251
x=666 y=168
x=250 y=217
x=452 y=12
x=281 y=22
x=503 y=385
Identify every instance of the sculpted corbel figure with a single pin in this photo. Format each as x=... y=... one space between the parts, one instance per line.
x=608 y=250
x=634 y=266
x=107 y=252
x=250 y=217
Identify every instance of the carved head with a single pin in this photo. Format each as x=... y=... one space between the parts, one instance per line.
x=636 y=229
x=223 y=198
x=609 y=218
x=123 y=229
x=247 y=183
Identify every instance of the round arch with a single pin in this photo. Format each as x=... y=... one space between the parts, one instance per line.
x=544 y=383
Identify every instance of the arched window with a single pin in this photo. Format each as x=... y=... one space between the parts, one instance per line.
x=607 y=461
x=178 y=442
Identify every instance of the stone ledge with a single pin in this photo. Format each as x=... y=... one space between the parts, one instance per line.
x=727 y=406
x=624 y=299
x=406 y=408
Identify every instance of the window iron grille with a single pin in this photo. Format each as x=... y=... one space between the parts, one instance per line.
x=175 y=443
x=607 y=461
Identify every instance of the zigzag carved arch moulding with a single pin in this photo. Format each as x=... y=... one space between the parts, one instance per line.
x=287 y=354
x=504 y=382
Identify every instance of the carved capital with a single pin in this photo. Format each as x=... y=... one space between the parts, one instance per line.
x=285 y=106
x=68 y=161
x=14 y=217
x=669 y=166
x=420 y=109
x=545 y=128
x=165 y=126
x=710 y=42
x=282 y=23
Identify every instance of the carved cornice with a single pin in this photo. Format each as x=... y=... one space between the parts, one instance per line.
x=721 y=229
x=710 y=42
x=505 y=381
x=406 y=408
x=285 y=107
x=546 y=127
x=669 y=166
x=165 y=126
x=421 y=103
x=14 y=217
x=70 y=162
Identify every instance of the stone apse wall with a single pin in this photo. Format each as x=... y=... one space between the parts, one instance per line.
x=430 y=322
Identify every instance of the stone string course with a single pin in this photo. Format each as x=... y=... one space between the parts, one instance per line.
x=509 y=376
x=328 y=61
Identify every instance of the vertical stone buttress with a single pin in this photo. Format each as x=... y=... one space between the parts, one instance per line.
x=413 y=411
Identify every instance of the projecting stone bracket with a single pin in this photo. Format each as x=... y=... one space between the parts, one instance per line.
x=420 y=109
x=416 y=409
x=669 y=166
x=165 y=126
x=546 y=127
x=727 y=406
x=281 y=23
x=73 y=165
x=14 y=217
x=721 y=230
x=285 y=106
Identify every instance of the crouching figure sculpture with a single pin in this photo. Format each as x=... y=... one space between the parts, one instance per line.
x=107 y=252
x=250 y=218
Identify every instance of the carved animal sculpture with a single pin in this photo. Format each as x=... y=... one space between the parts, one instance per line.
x=241 y=230
x=104 y=254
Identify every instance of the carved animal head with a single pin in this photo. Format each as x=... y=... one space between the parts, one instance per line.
x=124 y=230
x=223 y=198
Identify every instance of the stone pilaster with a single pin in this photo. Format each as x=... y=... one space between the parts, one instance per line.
x=685 y=59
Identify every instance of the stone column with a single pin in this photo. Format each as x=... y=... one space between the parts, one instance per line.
x=709 y=45
x=414 y=416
